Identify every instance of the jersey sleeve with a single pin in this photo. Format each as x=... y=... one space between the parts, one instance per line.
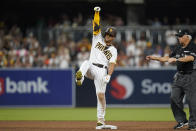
x=114 y=56
x=193 y=52
x=96 y=24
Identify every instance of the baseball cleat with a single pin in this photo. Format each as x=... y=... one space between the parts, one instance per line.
x=78 y=78
x=192 y=128
x=100 y=123
x=181 y=124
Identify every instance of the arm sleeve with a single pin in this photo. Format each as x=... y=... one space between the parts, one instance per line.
x=114 y=57
x=96 y=23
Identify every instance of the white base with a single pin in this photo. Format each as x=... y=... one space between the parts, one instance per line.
x=106 y=127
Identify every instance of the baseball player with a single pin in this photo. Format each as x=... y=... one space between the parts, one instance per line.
x=184 y=80
x=101 y=64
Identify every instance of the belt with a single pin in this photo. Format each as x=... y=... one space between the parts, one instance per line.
x=185 y=72
x=100 y=65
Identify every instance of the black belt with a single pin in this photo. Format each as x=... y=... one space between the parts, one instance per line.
x=185 y=72
x=100 y=65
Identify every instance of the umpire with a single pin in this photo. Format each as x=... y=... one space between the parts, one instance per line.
x=184 y=54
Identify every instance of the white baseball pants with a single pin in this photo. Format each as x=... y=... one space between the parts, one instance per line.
x=97 y=74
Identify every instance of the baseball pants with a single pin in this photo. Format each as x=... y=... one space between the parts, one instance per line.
x=96 y=73
x=184 y=84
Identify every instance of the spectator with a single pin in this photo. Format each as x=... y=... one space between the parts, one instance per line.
x=122 y=59
x=64 y=58
x=118 y=21
x=82 y=55
x=18 y=63
x=142 y=41
x=170 y=38
x=62 y=51
x=130 y=49
x=148 y=50
x=54 y=61
x=3 y=60
x=166 y=53
x=155 y=64
x=156 y=22
x=50 y=47
x=130 y=52
x=139 y=56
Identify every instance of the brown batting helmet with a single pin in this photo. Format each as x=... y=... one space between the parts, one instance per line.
x=111 y=31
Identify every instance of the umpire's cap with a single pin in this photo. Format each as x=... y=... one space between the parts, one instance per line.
x=182 y=33
x=111 y=31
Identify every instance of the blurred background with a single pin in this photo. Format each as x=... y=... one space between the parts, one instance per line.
x=43 y=42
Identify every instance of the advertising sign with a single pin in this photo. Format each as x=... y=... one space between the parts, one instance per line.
x=31 y=87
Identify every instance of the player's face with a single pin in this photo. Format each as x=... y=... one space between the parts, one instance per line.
x=183 y=39
x=109 y=39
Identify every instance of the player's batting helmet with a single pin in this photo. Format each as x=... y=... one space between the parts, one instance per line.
x=111 y=31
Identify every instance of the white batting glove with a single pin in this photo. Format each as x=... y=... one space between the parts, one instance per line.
x=106 y=78
x=97 y=8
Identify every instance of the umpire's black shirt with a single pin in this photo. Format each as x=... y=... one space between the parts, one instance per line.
x=179 y=52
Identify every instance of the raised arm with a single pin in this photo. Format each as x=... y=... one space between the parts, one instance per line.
x=96 y=21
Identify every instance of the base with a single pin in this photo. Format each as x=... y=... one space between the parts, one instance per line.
x=106 y=127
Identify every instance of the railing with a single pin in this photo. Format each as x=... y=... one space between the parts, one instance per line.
x=156 y=35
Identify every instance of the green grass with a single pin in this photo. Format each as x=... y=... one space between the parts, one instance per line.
x=112 y=114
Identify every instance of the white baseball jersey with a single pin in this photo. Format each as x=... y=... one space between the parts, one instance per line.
x=101 y=53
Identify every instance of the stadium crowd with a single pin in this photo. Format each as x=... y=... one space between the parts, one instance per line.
x=25 y=50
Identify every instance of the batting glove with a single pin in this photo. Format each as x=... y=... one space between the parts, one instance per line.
x=97 y=8
x=106 y=78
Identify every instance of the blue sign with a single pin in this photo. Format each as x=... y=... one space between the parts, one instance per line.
x=36 y=87
x=140 y=87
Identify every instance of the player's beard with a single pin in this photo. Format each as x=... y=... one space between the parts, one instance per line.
x=108 y=42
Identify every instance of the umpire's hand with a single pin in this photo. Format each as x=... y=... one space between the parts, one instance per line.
x=172 y=60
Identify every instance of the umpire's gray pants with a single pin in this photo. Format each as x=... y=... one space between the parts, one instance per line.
x=184 y=84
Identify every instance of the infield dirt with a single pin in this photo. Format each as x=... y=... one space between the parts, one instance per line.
x=84 y=126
